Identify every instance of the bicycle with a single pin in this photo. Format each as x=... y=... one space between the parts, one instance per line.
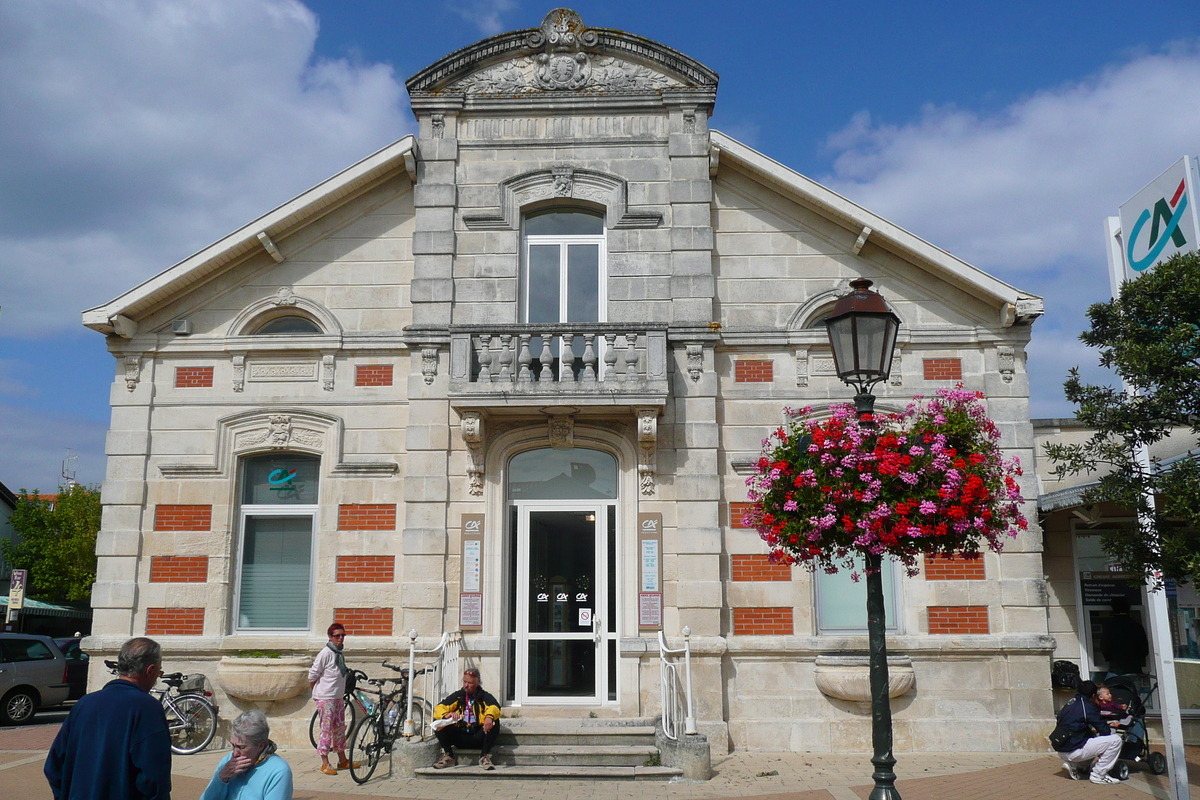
x=358 y=704
x=191 y=715
x=377 y=731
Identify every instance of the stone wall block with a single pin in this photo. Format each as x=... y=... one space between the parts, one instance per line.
x=114 y=595
x=690 y=191
x=433 y=242
x=697 y=487
x=699 y=594
x=423 y=541
x=692 y=238
x=127 y=443
x=422 y=595
x=427 y=195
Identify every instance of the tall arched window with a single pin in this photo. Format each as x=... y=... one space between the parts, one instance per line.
x=275 y=524
x=564 y=275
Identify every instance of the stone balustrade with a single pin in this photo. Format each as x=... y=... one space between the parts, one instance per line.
x=593 y=360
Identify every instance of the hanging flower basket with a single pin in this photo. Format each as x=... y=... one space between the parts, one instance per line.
x=929 y=480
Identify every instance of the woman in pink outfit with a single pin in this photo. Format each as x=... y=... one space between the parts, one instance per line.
x=327 y=677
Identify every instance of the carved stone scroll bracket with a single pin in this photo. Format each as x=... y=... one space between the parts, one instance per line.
x=647 y=434
x=802 y=366
x=1008 y=362
x=695 y=361
x=472 y=427
x=239 y=373
x=328 y=364
x=429 y=364
x=438 y=123
x=562 y=431
x=133 y=372
x=896 y=378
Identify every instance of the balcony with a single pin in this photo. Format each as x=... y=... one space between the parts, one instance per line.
x=580 y=364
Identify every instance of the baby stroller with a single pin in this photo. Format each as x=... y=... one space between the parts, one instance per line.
x=1136 y=745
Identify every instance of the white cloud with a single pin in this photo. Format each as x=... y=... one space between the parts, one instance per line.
x=485 y=15
x=1023 y=193
x=137 y=133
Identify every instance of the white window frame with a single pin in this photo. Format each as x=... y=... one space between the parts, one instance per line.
x=894 y=626
x=244 y=513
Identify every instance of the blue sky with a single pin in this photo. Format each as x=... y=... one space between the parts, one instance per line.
x=137 y=132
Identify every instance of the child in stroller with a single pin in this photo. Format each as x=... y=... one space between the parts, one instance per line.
x=1119 y=699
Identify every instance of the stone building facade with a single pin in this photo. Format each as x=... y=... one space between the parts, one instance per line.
x=507 y=377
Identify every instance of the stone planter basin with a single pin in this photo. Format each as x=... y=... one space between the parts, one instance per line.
x=849 y=677
x=263 y=680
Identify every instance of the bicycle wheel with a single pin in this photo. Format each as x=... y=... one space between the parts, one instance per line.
x=314 y=724
x=192 y=722
x=366 y=748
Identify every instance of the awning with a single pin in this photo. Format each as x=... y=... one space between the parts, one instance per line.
x=36 y=608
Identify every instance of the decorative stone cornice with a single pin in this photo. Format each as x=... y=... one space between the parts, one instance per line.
x=562 y=55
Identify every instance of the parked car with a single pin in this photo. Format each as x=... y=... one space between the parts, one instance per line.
x=77 y=666
x=33 y=675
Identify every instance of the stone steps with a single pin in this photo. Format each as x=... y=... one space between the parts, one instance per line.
x=565 y=749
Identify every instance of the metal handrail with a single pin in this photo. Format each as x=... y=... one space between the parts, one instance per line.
x=445 y=663
x=669 y=683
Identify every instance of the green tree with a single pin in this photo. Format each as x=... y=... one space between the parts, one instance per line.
x=57 y=544
x=1149 y=336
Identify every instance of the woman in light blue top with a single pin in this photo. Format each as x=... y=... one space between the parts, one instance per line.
x=252 y=771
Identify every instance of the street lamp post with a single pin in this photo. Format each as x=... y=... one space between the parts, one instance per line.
x=862 y=332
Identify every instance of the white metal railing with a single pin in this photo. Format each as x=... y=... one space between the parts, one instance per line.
x=676 y=699
x=439 y=675
x=576 y=356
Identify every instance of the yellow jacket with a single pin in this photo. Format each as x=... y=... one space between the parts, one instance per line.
x=482 y=705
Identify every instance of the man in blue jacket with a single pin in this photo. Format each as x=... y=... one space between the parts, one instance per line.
x=1090 y=739
x=115 y=744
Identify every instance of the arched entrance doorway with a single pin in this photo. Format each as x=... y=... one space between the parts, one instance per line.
x=562 y=563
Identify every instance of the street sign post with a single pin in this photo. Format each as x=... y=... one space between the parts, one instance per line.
x=16 y=594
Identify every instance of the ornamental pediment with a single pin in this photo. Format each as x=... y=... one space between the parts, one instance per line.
x=580 y=72
x=562 y=55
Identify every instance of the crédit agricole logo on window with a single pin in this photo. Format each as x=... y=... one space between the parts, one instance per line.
x=1161 y=220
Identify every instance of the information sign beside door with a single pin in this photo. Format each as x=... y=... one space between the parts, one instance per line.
x=470 y=598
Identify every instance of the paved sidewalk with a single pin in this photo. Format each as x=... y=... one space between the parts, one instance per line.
x=764 y=776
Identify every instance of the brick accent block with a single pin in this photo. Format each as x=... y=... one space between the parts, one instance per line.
x=958 y=619
x=174 y=621
x=373 y=375
x=759 y=568
x=182 y=518
x=736 y=512
x=954 y=568
x=763 y=621
x=179 y=569
x=193 y=377
x=943 y=369
x=366 y=569
x=367 y=517
x=365 y=621
x=753 y=371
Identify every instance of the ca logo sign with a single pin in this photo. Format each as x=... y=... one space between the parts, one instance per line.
x=1166 y=212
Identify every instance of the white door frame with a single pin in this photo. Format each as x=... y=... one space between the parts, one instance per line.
x=600 y=600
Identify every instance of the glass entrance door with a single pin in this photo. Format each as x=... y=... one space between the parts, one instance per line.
x=561 y=641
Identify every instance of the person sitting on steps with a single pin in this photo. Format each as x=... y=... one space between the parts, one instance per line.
x=475 y=717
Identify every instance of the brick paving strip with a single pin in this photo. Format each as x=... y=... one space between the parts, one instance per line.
x=757 y=776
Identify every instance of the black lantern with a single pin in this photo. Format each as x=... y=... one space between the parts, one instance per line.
x=862 y=332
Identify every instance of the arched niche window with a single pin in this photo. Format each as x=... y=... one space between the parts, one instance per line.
x=289 y=324
x=564 y=274
x=275 y=542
